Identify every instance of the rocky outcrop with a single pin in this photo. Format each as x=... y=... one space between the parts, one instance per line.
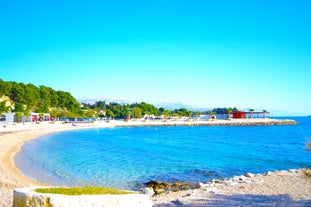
x=28 y=197
x=161 y=187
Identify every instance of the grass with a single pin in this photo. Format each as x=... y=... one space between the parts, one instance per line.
x=82 y=191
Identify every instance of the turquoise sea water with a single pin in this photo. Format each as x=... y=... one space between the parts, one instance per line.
x=125 y=157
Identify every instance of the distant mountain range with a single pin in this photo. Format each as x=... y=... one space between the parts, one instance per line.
x=169 y=106
x=92 y=100
x=179 y=105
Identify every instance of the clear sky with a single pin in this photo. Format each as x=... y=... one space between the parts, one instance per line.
x=245 y=54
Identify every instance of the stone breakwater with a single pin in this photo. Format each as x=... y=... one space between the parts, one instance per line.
x=232 y=122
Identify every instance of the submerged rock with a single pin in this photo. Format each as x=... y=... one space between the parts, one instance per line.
x=161 y=187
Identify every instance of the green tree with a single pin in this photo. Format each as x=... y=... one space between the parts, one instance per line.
x=18 y=107
x=53 y=98
x=66 y=100
x=148 y=109
x=167 y=114
x=5 y=88
x=19 y=115
x=264 y=113
x=45 y=99
x=190 y=114
x=27 y=114
x=19 y=111
x=89 y=113
x=3 y=107
x=100 y=105
x=229 y=111
x=54 y=114
x=161 y=110
x=129 y=114
x=110 y=114
x=197 y=113
x=32 y=96
x=18 y=93
x=137 y=112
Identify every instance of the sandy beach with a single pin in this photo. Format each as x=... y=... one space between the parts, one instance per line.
x=275 y=189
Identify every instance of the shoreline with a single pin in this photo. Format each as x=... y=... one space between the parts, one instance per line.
x=279 y=188
x=14 y=136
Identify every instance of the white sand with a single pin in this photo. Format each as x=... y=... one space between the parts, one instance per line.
x=293 y=189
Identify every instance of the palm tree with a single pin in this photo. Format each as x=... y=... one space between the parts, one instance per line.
x=210 y=113
x=229 y=110
x=167 y=114
x=190 y=115
x=41 y=116
x=128 y=113
x=264 y=113
x=19 y=115
x=27 y=114
x=54 y=114
x=250 y=112
x=196 y=115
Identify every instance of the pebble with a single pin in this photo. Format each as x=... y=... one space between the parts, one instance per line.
x=249 y=175
x=293 y=171
x=239 y=179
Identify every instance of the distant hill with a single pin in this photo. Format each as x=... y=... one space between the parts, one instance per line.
x=179 y=105
x=166 y=105
x=25 y=98
x=92 y=100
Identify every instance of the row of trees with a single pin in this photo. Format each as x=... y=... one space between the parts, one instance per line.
x=25 y=98
x=136 y=110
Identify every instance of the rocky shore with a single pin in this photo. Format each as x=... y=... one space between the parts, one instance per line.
x=279 y=188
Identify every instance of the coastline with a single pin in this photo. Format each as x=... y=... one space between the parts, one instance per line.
x=11 y=140
x=13 y=137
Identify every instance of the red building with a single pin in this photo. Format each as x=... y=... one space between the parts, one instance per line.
x=238 y=115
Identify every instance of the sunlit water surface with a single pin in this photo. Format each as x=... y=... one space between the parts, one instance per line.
x=125 y=157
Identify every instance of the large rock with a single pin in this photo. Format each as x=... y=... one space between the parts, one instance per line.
x=28 y=197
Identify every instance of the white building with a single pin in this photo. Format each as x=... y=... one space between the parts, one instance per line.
x=33 y=117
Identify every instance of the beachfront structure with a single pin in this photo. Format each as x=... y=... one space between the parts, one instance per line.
x=250 y=114
x=243 y=114
x=238 y=115
x=11 y=117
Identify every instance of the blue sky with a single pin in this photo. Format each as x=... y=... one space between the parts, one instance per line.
x=245 y=54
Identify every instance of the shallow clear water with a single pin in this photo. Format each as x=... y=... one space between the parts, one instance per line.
x=124 y=157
